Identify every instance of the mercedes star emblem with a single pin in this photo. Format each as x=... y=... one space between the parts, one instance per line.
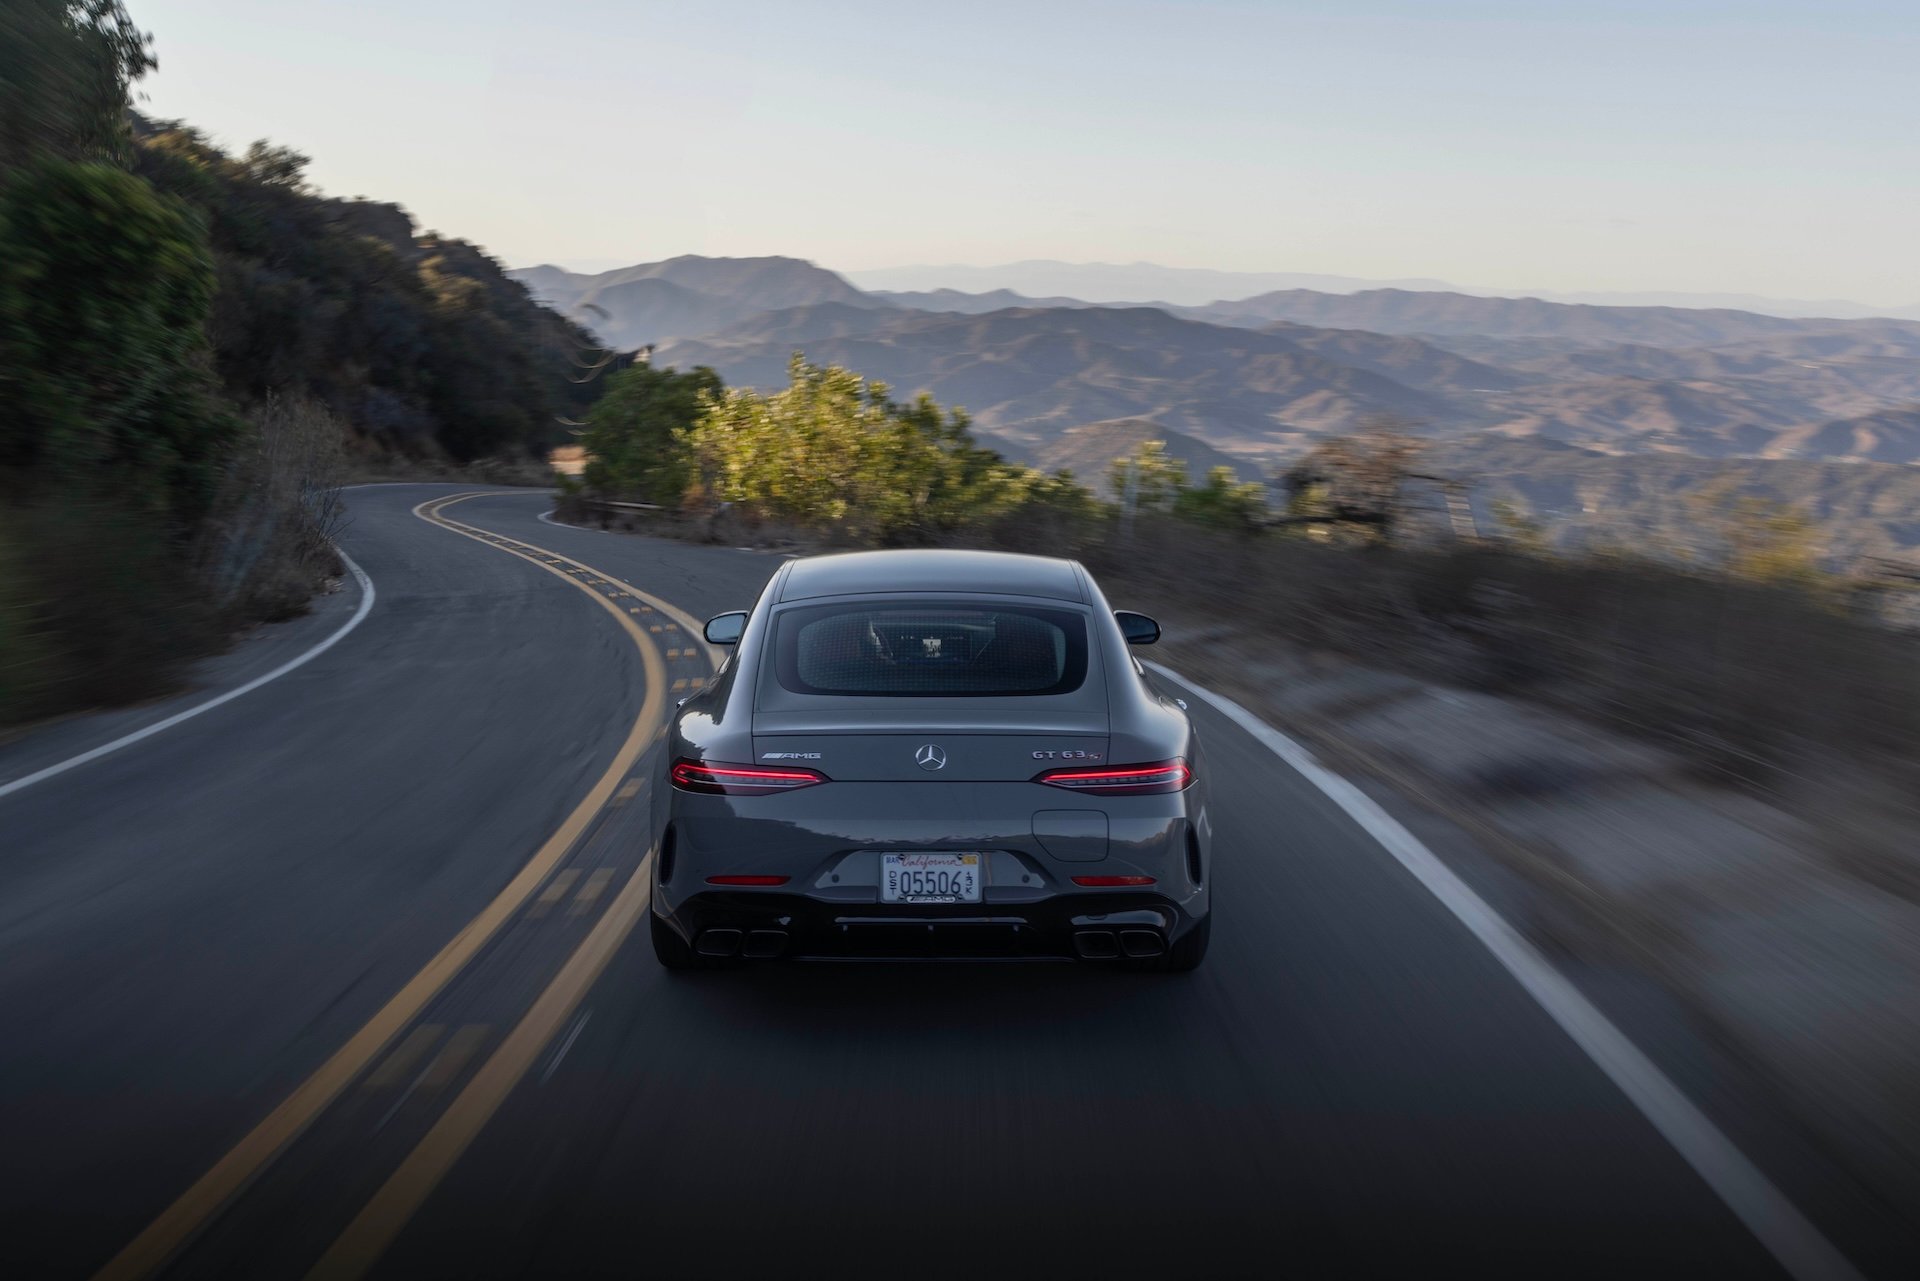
x=931 y=756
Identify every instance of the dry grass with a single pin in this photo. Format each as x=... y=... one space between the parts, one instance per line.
x=270 y=543
x=1751 y=681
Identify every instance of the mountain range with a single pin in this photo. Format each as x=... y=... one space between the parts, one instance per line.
x=1124 y=282
x=1259 y=379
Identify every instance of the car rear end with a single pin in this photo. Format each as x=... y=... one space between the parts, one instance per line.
x=933 y=775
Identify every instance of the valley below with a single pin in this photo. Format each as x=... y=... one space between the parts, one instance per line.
x=1600 y=422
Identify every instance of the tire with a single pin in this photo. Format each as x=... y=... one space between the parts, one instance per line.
x=675 y=953
x=1185 y=955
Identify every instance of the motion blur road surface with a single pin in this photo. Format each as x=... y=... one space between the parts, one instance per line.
x=195 y=926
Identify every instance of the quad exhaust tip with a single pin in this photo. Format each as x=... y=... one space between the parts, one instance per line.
x=764 y=944
x=718 y=943
x=1096 y=945
x=1142 y=943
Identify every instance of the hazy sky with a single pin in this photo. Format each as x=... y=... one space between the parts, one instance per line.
x=1721 y=145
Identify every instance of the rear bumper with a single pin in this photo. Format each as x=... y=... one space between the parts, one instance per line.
x=761 y=925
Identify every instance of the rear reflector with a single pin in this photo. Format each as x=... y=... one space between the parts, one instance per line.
x=1110 y=882
x=741 y=780
x=1127 y=780
x=746 y=880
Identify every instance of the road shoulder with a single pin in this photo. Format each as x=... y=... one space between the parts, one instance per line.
x=257 y=652
x=1653 y=900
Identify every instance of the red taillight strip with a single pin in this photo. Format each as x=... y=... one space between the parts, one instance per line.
x=746 y=880
x=1108 y=882
x=740 y=780
x=1131 y=780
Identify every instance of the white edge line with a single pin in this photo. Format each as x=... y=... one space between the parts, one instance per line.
x=1794 y=1242
x=366 y=606
x=553 y=1064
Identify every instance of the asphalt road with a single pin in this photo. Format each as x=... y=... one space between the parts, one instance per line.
x=198 y=932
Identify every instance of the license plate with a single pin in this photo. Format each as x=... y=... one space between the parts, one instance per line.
x=929 y=878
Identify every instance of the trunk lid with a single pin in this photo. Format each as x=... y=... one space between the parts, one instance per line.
x=924 y=745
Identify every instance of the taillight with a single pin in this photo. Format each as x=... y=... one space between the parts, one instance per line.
x=1127 y=780
x=741 y=780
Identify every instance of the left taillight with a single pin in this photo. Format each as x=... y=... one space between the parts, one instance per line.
x=1122 y=780
x=741 y=780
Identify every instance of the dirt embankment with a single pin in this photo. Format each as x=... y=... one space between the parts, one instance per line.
x=1788 y=927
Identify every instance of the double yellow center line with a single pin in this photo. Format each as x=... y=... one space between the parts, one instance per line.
x=382 y=1218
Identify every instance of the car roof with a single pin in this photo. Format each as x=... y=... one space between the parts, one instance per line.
x=933 y=571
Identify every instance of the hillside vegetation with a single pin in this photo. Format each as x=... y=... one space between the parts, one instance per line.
x=191 y=343
x=421 y=343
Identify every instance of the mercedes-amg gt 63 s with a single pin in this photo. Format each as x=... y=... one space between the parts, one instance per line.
x=932 y=754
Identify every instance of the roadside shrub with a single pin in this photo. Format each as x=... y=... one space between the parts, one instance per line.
x=24 y=658
x=269 y=543
x=1746 y=676
x=102 y=613
x=105 y=288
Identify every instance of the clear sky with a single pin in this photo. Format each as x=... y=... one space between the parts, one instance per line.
x=1713 y=145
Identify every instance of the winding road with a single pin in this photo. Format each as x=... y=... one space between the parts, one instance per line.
x=339 y=978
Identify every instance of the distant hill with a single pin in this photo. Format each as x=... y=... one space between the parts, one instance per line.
x=1402 y=311
x=632 y=306
x=1106 y=282
x=1858 y=509
x=1188 y=286
x=1267 y=375
x=971 y=304
x=1089 y=450
x=1407 y=360
x=1031 y=373
x=1890 y=436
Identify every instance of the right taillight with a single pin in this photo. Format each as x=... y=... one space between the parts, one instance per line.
x=1120 y=780
x=741 y=780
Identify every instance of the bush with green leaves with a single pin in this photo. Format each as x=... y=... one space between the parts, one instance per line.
x=65 y=67
x=636 y=434
x=105 y=289
x=832 y=452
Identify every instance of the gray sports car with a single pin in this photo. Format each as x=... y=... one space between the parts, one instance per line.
x=932 y=754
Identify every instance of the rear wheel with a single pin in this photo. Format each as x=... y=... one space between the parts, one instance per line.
x=674 y=952
x=1186 y=954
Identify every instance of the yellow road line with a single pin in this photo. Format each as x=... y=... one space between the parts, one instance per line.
x=649 y=602
x=398 y=1066
x=450 y=1062
x=556 y=890
x=590 y=892
x=380 y=1221
x=180 y=1221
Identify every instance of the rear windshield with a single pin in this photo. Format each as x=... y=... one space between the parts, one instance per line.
x=937 y=649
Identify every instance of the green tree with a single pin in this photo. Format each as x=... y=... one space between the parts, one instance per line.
x=1223 y=502
x=1147 y=479
x=104 y=294
x=635 y=434
x=834 y=452
x=65 y=69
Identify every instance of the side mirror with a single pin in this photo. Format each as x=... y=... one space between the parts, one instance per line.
x=1137 y=628
x=726 y=629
